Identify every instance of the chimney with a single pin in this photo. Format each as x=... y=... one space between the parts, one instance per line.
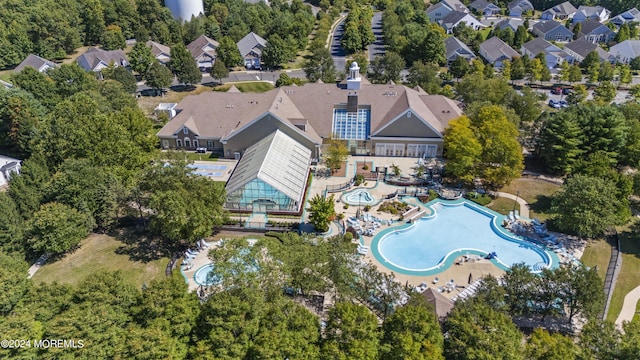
x=352 y=102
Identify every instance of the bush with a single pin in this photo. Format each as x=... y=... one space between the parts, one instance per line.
x=345 y=206
x=367 y=207
x=348 y=236
x=365 y=167
x=482 y=199
x=341 y=216
x=358 y=180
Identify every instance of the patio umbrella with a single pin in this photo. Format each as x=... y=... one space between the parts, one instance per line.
x=470 y=278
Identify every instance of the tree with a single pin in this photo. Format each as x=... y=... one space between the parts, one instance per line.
x=228 y=52
x=605 y=92
x=606 y=71
x=184 y=206
x=461 y=149
x=459 y=67
x=141 y=58
x=113 y=38
x=476 y=331
x=158 y=76
x=321 y=212
x=121 y=75
x=184 y=66
x=506 y=69
x=56 y=228
x=520 y=37
x=635 y=63
x=425 y=76
x=219 y=70
x=575 y=74
x=351 y=333
x=625 y=74
x=534 y=69
x=277 y=51
x=585 y=206
x=476 y=88
x=351 y=41
x=387 y=67
x=14 y=283
x=564 y=71
x=600 y=340
x=623 y=33
x=319 y=66
x=501 y=160
x=412 y=332
x=592 y=59
x=21 y=116
x=543 y=345
x=545 y=74
x=577 y=30
x=11 y=226
x=578 y=94
x=518 y=70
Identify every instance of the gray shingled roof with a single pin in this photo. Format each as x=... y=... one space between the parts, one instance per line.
x=94 y=56
x=481 y=5
x=546 y=26
x=590 y=25
x=538 y=45
x=452 y=45
x=452 y=18
x=157 y=48
x=251 y=42
x=590 y=11
x=512 y=23
x=35 y=62
x=565 y=8
x=197 y=46
x=584 y=47
x=496 y=48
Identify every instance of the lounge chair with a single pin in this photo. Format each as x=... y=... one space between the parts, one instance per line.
x=435 y=281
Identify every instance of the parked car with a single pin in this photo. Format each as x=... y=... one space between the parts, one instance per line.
x=566 y=91
x=563 y=104
x=554 y=104
x=556 y=91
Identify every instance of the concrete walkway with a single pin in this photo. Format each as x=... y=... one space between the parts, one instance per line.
x=37 y=265
x=628 y=307
x=524 y=206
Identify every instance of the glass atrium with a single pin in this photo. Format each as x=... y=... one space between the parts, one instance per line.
x=271 y=176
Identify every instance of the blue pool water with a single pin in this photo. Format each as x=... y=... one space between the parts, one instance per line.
x=358 y=197
x=209 y=173
x=432 y=243
x=209 y=167
x=201 y=277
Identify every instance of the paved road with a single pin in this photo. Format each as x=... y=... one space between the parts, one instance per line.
x=377 y=48
x=337 y=52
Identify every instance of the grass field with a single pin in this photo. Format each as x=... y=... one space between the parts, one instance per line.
x=536 y=192
x=251 y=86
x=148 y=103
x=503 y=205
x=100 y=253
x=597 y=252
x=628 y=278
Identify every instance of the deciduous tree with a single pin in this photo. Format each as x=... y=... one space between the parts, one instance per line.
x=321 y=212
x=141 y=58
x=56 y=228
x=351 y=333
x=184 y=66
x=461 y=149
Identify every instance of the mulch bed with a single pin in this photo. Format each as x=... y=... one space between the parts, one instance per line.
x=342 y=171
x=361 y=171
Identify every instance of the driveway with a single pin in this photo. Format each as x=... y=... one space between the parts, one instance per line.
x=377 y=48
x=337 y=52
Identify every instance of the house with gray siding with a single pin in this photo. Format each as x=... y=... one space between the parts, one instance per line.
x=495 y=51
x=455 y=48
x=36 y=62
x=517 y=8
x=625 y=51
x=439 y=11
x=596 y=32
x=631 y=15
x=561 y=11
x=552 y=31
x=553 y=55
x=580 y=48
x=485 y=8
x=598 y=13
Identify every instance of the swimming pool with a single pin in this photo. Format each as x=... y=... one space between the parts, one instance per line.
x=358 y=197
x=201 y=277
x=432 y=244
x=209 y=167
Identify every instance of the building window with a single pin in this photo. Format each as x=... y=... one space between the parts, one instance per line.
x=187 y=143
x=349 y=125
x=178 y=143
x=185 y=131
x=195 y=143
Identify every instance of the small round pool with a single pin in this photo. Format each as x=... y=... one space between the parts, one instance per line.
x=358 y=197
x=201 y=277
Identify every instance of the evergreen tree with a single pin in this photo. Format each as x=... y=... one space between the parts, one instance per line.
x=184 y=66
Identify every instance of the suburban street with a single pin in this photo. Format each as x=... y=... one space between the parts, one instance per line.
x=377 y=48
x=337 y=52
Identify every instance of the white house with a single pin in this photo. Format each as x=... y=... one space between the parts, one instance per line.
x=96 y=59
x=580 y=48
x=591 y=12
x=439 y=11
x=495 y=51
x=625 y=51
x=559 y=12
x=519 y=7
x=553 y=55
x=596 y=32
x=36 y=62
x=203 y=49
x=8 y=167
x=456 y=17
x=161 y=52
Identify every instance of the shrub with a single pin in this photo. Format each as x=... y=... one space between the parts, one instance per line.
x=358 y=180
x=365 y=167
x=367 y=207
x=345 y=206
x=348 y=236
x=341 y=216
x=482 y=199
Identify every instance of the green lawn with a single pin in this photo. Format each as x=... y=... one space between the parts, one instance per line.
x=193 y=156
x=536 y=192
x=628 y=278
x=250 y=86
x=100 y=253
x=503 y=205
x=597 y=252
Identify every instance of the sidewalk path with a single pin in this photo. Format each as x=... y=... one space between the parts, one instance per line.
x=524 y=206
x=628 y=307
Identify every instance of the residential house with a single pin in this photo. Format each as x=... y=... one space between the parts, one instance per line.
x=439 y=11
x=552 y=31
x=251 y=47
x=203 y=49
x=96 y=59
x=631 y=15
x=495 y=51
x=161 y=52
x=596 y=32
x=591 y=12
x=518 y=7
x=511 y=23
x=455 y=18
x=625 y=51
x=553 y=55
x=559 y=12
x=455 y=48
x=580 y=48
x=36 y=62
x=485 y=8
x=382 y=120
x=8 y=167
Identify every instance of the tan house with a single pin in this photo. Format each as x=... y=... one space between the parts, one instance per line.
x=203 y=49
x=383 y=120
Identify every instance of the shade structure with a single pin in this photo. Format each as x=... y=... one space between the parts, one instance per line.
x=440 y=303
x=271 y=175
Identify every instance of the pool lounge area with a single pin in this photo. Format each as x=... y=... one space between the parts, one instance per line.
x=454 y=230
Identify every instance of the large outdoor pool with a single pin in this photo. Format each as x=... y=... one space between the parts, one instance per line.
x=432 y=244
x=201 y=277
x=209 y=170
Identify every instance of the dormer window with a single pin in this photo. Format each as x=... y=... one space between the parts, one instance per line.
x=185 y=131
